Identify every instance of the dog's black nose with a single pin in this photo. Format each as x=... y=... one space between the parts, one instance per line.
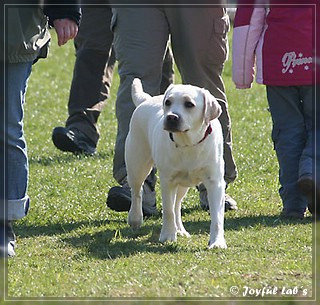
x=172 y=122
x=172 y=118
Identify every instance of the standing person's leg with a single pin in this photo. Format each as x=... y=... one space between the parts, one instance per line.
x=140 y=42
x=289 y=136
x=200 y=46
x=16 y=199
x=91 y=82
x=307 y=165
x=167 y=71
x=316 y=164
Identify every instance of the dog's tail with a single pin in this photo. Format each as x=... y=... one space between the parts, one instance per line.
x=137 y=93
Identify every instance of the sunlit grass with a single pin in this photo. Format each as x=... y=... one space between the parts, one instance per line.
x=71 y=245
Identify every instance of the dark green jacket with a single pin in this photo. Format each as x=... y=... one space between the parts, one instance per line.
x=27 y=29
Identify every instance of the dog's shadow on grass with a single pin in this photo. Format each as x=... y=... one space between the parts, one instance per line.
x=101 y=242
x=97 y=240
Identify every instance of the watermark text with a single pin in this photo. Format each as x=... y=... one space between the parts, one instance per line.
x=266 y=291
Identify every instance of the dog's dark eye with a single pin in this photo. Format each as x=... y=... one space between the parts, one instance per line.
x=167 y=103
x=189 y=104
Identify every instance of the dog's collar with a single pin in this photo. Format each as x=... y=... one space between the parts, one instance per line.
x=207 y=133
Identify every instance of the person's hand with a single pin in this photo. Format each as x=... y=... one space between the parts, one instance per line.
x=66 y=29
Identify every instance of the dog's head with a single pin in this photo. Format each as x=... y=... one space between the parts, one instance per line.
x=188 y=107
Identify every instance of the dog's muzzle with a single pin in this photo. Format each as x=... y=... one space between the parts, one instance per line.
x=172 y=122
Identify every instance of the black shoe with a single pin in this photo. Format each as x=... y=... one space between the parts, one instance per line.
x=72 y=140
x=292 y=215
x=308 y=188
x=7 y=239
x=119 y=199
x=229 y=203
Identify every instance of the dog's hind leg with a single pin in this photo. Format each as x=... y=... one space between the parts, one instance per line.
x=215 y=191
x=135 y=216
x=136 y=180
x=181 y=192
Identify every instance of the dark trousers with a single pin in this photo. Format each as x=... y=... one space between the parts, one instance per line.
x=200 y=47
x=93 y=71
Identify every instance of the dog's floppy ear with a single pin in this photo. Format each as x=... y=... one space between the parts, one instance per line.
x=212 y=108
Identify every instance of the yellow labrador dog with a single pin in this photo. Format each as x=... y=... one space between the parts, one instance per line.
x=179 y=133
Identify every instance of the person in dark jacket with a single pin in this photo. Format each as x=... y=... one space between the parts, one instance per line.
x=27 y=39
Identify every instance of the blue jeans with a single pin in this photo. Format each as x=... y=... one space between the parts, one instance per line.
x=16 y=198
x=292 y=109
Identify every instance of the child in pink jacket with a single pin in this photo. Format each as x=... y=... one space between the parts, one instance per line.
x=276 y=45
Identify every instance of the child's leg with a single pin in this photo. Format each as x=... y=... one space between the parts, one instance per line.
x=289 y=136
x=308 y=170
x=307 y=157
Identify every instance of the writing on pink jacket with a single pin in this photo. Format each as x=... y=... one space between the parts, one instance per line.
x=275 y=45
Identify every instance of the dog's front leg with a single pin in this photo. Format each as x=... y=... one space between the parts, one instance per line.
x=169 y=228
x=181 y=192
x=216 y=193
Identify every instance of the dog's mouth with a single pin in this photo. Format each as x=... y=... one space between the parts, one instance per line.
x=176 y=130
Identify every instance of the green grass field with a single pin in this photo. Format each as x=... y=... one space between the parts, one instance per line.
x=71 y=246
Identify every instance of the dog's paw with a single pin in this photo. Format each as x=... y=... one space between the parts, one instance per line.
x=167 y=236
x=135 y=221
x=218 y=243
x=183 y=232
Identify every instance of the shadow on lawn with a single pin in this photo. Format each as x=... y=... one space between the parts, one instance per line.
x=62 y=158
x=104 y=243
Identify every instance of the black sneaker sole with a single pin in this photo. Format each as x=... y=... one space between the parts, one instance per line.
x=62 y=140
x=292 y=216
x=66 y=140
x=117 y=200
x=307 y=187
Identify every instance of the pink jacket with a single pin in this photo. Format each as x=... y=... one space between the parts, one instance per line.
x=276 y=44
